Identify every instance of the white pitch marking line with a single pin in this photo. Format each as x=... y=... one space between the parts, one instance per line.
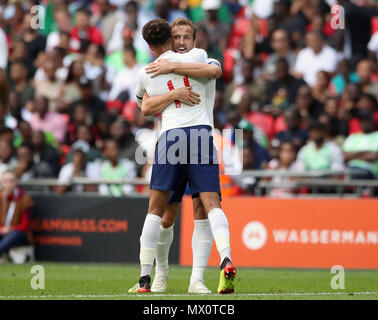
x=186 y=295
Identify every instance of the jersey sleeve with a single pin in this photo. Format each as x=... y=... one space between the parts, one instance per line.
x=140 y=87
x=214 y=62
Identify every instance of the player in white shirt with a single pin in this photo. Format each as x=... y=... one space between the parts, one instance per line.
x=203 y=179
x=202 y=239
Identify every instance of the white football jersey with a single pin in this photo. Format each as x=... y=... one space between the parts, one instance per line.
x=210 y=93
x=177 y=114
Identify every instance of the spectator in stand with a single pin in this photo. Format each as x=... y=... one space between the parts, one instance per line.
x=287 y=154
x=7 y=159
x=15 y=211
x=27 y=168
x=71 y=88
x=280 y=42
x=339 y=127
x=373 y=46
x=23 y=133
x=343 y=77
x=281 y=92
x=34 y=41
x=20 y=54
x=51 y=86
x=120 y=130
x=63 y=22
x=361 y=149
x=365 y=72
x=45 y=152
x=358 y=27
x=19 y=82
x=315 y=57
x=3 y=50
x=78 y=167
x=85 y=134
x=88 y=99
x=262 y=121
x=49 y=121
x=294 y=133
x=259 y=154
x=366 y=102
x=106 y=19
x=128 y=31
x=308 y=107
x=115 y=61
x=83 y=32
x=320 y=90
x=235 y=90
x=319 y=154
x=218 y=31
x=114 y=168
x=125 y=79
x=164 y=9
x=94 y=61
x=56 y=55
x=202 y=42
x=16 y=113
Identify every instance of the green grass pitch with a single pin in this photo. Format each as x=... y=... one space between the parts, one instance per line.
x=111 y=281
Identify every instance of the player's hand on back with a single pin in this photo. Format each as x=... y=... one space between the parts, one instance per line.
x=159 y=67
x=187 y=96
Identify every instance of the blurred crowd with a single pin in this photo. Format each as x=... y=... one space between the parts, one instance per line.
x=300 y=82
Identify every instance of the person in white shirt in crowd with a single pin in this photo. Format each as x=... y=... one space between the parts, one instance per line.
x=3 y=50
x=315 y=57
x=63 y=21
x=7 y=159
x=126 y=78
x=135 y=16
x=78 y=167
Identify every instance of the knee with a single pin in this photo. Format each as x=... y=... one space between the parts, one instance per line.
x=167 y=221
x=199 y=212
x=210 y=201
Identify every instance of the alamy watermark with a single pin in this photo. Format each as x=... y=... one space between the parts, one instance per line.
x=37 y=281
x=193 y=146
x=337 y=17
x=38 y=20
x=338 y=280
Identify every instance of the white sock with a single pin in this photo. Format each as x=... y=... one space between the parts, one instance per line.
x=162 y=249
x=148 y=241
x=202 y=241
x=221 y=233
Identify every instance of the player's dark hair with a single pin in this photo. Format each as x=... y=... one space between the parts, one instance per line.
x=156 y=32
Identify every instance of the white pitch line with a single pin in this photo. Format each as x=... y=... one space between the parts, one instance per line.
x=186 y=295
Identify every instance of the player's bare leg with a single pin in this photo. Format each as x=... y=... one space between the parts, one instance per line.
x=148 y=239
x=220 y=229
x=163 y=246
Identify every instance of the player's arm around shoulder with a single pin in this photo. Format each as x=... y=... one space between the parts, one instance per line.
x=156 y=104
x=209 y=70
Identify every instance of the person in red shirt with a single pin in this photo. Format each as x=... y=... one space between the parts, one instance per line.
x=84 y=33
x=15 y=210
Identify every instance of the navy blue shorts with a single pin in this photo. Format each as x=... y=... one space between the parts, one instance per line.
x=177 y=195
x=186 y=155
